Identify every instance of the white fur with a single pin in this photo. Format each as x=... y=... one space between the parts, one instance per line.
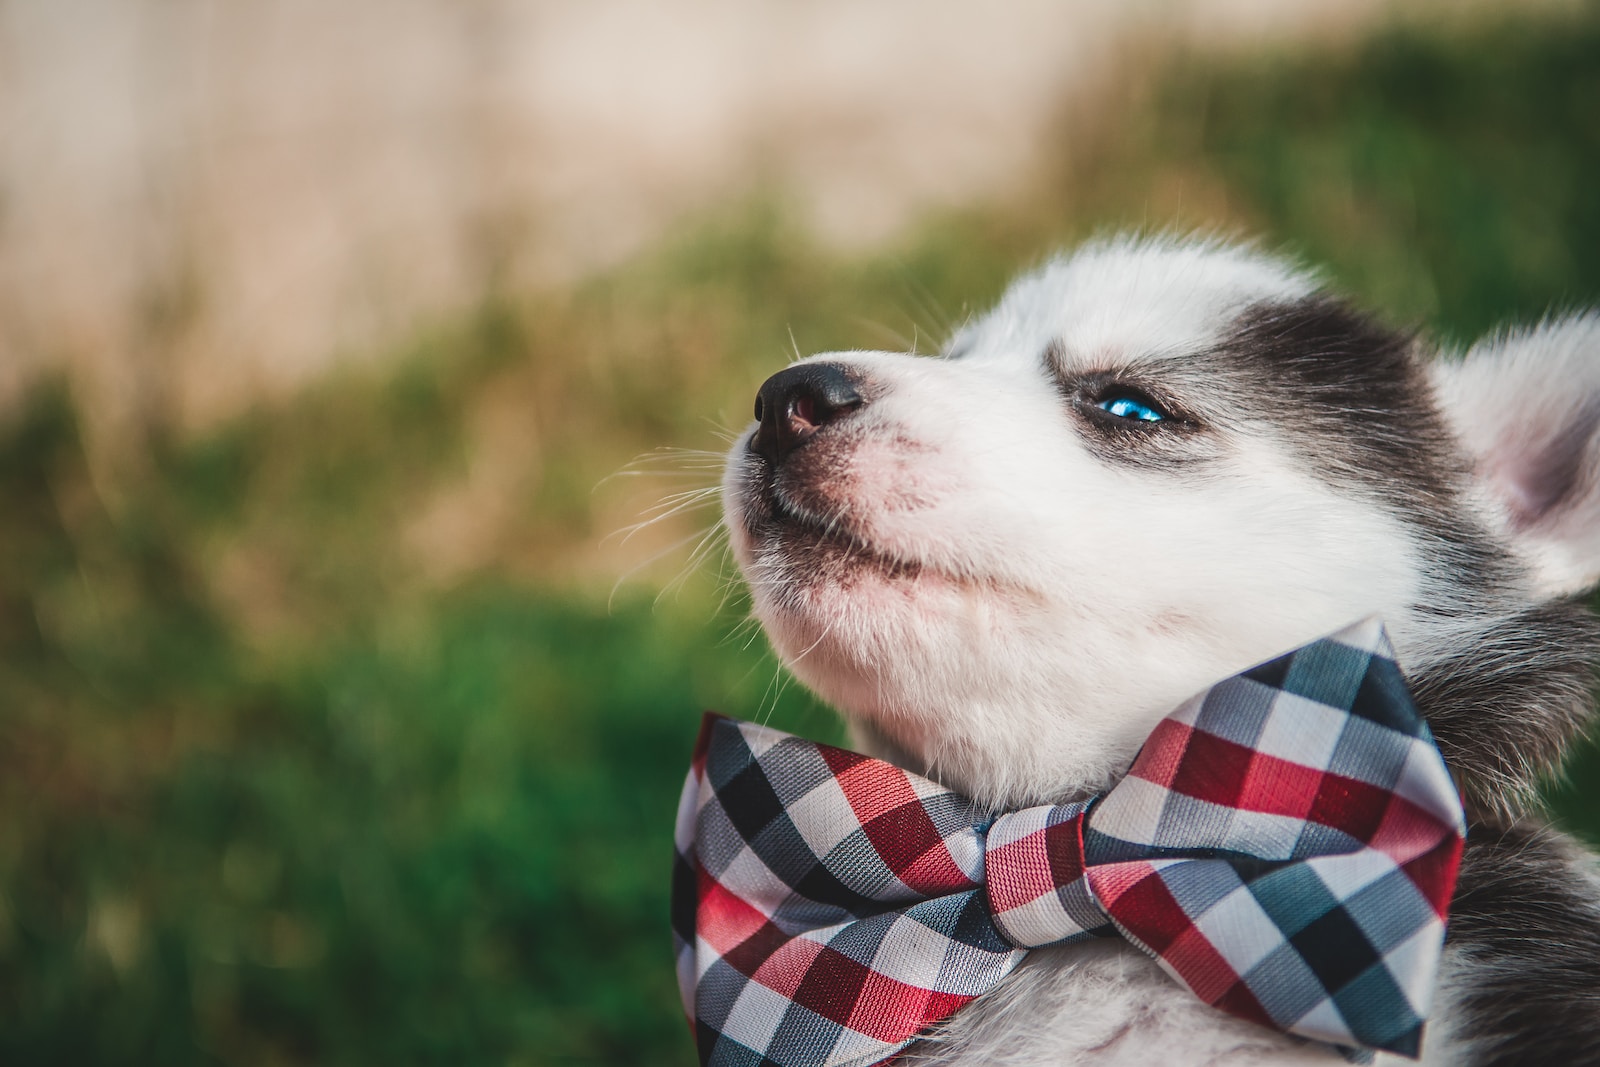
x=1057 y=606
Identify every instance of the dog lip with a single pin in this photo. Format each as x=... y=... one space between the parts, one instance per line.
x=786 y=517
x=777 y=519
x=830 y=543
x=835 y=546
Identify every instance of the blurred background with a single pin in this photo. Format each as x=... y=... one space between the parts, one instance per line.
x=345 y=346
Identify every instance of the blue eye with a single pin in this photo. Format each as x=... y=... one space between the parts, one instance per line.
x=1125 y=407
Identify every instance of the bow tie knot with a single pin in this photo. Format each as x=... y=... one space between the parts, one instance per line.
x=1284 y=845
x=1035 y=877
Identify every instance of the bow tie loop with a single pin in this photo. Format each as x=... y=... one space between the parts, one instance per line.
x=1284 y=845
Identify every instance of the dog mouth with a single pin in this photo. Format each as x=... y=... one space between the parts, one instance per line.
x=831 y=546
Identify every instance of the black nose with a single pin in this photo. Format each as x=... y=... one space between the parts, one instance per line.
x=797 y=401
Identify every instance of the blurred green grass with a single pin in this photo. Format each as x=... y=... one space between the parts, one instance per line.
x=319 y=741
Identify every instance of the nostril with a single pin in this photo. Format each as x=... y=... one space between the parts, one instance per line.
x=804 y=410
x=758 y=407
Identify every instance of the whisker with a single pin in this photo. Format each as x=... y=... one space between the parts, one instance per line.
x=926 y=307
x=678 y=504
x=723 y=434
x=669 y=462
x=684 y=496
x=897 y=340
x=623 y=578
x=741 y=629
x=708 y=543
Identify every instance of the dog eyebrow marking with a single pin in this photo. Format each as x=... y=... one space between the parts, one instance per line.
x=1055 y=357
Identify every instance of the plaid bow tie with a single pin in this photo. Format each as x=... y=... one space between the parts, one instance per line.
x=1284 y=845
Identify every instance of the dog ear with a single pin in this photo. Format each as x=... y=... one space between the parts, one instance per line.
x=1527 y=407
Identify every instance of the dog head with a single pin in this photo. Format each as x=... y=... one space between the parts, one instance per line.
x=1154 y=463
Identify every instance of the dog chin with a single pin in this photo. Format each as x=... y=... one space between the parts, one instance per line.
x=890 y=646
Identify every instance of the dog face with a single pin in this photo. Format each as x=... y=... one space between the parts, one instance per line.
x=1152 y=464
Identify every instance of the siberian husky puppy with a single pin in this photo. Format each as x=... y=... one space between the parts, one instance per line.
x=1155 y=463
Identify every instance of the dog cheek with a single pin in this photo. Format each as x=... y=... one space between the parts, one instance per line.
x=899 y=477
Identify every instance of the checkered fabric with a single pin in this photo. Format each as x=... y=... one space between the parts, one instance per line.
x=1285 y=846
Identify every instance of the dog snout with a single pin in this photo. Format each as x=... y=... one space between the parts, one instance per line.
x=798 y=401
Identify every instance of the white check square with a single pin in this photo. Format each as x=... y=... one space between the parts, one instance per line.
x=755 y=1015
x=1326 y=1023
x=1133 y=811
x=1425 y=781
x=1270 y=837
x=1367 y=635
x=1239 y=930
x=911 y=953
x=758 y=886
x=1012 y=828
x=760 y=738
x=1040 y=921
x=824 y=817
x=1413 y=960
x=1348 y=874
x=1301 y=731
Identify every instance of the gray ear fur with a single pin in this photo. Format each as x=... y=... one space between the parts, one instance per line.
x=1526 y=405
